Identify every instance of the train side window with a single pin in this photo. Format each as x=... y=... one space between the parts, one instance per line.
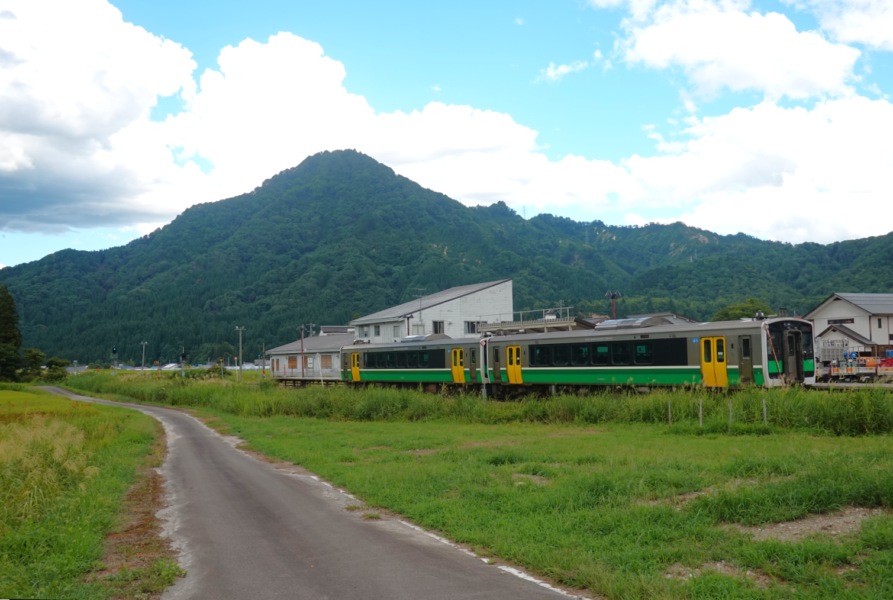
x=368 y=361
x=540 y=356
x=602 y=355
x=401 y=360
x=720 y=350
x=559 y=356
x=580 y=355
x=620 y=353
x=412 y=359
x=745 y=347
x=644 y=353
x=390 y=361
x=423 y=360
x=708 y=351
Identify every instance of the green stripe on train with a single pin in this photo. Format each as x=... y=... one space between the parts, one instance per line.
x=408 y=375
x=658 y=376
x=808 y=365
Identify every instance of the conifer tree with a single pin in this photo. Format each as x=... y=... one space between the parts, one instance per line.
x=10 y=336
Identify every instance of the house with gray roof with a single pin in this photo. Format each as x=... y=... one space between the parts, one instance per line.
x=456 y=312
x=316 y=359
x=863 y=319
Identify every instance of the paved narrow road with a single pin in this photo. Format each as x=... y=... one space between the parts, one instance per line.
x=248 y=530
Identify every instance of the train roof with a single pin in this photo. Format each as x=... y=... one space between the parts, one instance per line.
x=687 y=330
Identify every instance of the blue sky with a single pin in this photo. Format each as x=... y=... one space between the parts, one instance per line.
x=654 y=119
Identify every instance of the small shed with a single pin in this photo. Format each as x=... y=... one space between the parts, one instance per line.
x=317 y=360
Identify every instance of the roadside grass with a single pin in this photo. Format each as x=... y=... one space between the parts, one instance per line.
x=64 y=468
x=867 y=411
x=594 y=492
x=593 y=508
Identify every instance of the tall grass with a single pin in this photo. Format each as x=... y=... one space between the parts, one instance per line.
x=40 y=459
x=852 y=412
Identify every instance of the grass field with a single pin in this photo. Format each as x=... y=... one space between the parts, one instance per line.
x=590 y=491
x=64 y=469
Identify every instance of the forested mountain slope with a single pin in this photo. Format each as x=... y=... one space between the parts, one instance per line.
x=341 y=234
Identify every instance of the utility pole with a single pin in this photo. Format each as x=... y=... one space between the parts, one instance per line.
x=303 y=327
x=263 y=361
x=143 y=371
x=114 y=360
x=419 y=295
x=613 y=296
x=240 y=357
x=182 y=361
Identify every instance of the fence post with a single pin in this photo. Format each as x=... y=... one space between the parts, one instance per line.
x=730 y=415
x=670 y=413
x=765 y=420
x=700 y=412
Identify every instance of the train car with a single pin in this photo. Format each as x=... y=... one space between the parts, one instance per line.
x=645 y=352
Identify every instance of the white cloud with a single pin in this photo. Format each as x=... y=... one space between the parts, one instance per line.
x=91 y=155
x=554 y=73
x=718 y=45
x=519 y=21
x=75 y=93
x=790 y=174
x=435 y=87
x=868 y=22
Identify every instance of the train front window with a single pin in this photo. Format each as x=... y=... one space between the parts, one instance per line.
x=602 y=355
x=580 y=355
x=644 y=353
x=559 y=356
x=620 y=353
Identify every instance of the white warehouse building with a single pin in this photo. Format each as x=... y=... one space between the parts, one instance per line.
x=456 y=312
x=861 y=319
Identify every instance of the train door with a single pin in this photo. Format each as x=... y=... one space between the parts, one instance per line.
x=713 y=362
x=472 y=364
x=355 y=366
x=745 y=359
x=458 y=366
x=514 y=364
x=793 y=355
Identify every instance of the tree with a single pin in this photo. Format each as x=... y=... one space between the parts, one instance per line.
x=745 y=309
x=31 y=363
x=56 y=369
x=10 y=336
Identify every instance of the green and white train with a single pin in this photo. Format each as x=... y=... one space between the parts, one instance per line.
x=644 y=352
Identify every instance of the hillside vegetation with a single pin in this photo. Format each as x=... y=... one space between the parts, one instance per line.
x=342 y=234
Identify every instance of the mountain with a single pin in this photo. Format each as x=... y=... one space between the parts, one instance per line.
x=342 y=234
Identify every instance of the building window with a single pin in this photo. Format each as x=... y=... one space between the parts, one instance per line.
x=840 y=321
x=879 y=323
x=326 y=362
x=377 y=330
x=396 y=332
x=418 y=329
x=438 y=326
x=292 y=362
x=308 y=362
x=471 y=327
x=366 y=331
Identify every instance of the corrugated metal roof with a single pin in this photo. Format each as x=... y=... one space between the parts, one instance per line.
x=396 y=312
x=325 y=343
x=876 y=304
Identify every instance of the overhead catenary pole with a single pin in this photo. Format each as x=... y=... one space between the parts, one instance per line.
x=613 y=296
x=240 y=357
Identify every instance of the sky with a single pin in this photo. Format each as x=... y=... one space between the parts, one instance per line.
x=770 y=118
